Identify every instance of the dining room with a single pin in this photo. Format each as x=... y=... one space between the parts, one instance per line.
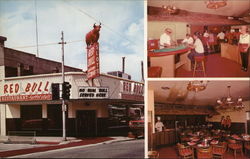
x=198 y=119
x=217 y=24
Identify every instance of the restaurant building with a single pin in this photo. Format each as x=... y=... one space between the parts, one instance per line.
x=194 y=113
x=26 y=97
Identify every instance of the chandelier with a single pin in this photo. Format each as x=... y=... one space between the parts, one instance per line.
x=229 y=102
x=215 y=4
x=197 y=86
x=170 y=9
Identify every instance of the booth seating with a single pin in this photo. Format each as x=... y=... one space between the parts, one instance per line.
x=154 y=71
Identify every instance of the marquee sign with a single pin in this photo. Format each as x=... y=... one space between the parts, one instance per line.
x=93 y=61
x=26 y=91
x=132 y=90
x=93 y=92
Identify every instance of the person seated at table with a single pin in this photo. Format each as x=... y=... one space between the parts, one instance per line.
x=166 y=40
x=244 y=45
x=159 y=125
x=188 y=40
x=197 y=48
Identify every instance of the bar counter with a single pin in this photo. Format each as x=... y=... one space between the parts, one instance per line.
x=166 y=137
x=230 y=52
x=165 y=58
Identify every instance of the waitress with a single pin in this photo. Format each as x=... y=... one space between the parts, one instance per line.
x=244 y=43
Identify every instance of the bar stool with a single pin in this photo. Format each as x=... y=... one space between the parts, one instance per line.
x=199 y=60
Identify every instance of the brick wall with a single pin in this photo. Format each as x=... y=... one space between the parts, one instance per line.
x=30 y=63
x=2 y=73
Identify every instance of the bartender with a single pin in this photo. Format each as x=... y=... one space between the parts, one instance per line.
x=244 y=44
x=165 y=39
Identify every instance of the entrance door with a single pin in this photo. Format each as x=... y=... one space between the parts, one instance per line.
x=86 y=123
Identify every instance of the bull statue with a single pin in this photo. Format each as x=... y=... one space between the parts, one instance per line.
x=93 y=36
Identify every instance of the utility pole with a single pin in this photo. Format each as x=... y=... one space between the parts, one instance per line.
x=142 y=71
x=63 y=80
x=37 y=50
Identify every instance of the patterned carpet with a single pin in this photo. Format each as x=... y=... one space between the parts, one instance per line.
x=216 y=66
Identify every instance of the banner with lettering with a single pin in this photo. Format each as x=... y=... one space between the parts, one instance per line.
x=93 y=61
x=93 y=92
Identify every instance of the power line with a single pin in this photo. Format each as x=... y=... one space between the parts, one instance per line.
x=109 y=28
x=85 y=13
x=46 y=44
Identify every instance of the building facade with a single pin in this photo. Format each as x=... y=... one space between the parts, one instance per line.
x=26 y=97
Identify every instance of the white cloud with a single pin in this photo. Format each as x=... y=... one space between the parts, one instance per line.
x=20 y=31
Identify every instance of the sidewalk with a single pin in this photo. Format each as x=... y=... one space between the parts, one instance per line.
x=52 y=143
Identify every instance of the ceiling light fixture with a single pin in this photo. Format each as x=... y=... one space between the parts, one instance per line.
x=229 y=102
x=170 y=9
x=197 y=86
x=215 y=4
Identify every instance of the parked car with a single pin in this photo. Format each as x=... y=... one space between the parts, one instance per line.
x=137 y=127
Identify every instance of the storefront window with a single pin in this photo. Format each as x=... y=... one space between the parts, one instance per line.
x=54 y=116
x=31 y=117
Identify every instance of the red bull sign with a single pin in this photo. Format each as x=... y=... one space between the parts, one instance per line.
x=25 y=91
x=93 y=61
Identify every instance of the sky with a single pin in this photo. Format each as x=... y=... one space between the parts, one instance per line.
x=121 y=35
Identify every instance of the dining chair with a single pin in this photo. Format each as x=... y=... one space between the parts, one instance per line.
x=247 y=146
x=205 y=153
x=235 y=146
x=153 y=154
x=185 y=152
x=218 y=151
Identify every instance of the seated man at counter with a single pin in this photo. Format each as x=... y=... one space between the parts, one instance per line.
x=244 y=47
x=197 y=48
x=159 y=125
x=188 y=40
x=165 y=39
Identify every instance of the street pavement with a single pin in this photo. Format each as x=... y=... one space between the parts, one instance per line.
x=111 y=149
